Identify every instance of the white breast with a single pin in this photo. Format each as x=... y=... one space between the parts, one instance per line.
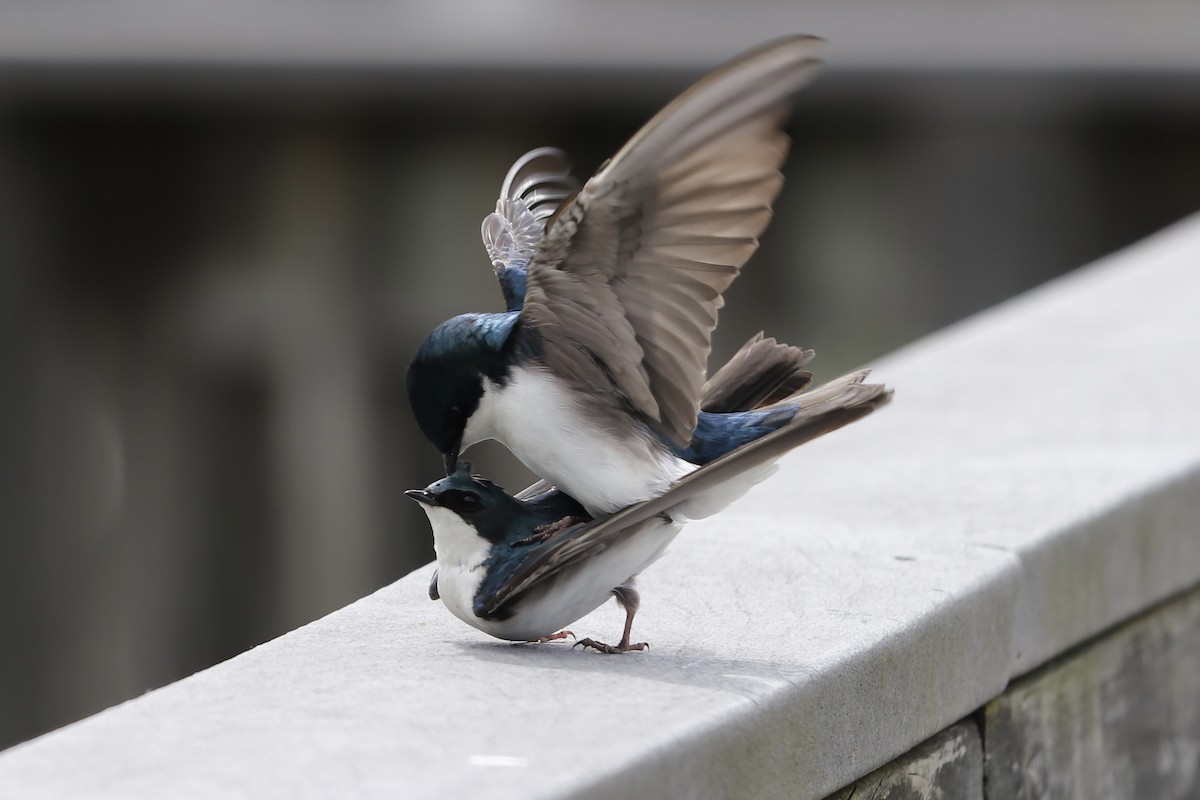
x=460 y=556
x=556 y=436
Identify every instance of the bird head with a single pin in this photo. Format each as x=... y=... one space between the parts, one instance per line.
x=445 y=378
x=493 y=513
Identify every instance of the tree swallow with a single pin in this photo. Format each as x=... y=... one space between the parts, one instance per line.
x=499 y=572
x=593 y=376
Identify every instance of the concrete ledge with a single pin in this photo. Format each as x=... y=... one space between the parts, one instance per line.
x=1034 y=483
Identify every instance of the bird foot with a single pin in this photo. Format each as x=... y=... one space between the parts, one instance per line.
x=543 y=532
x=553 y=637
x=624 y=647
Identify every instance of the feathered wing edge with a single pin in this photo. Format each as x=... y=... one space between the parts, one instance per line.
x=534 y=188
x=632 y=269
x=824 y=409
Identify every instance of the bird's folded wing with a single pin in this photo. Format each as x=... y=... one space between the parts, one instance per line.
x=623 y=291
x=820 y=411
x=536 y=185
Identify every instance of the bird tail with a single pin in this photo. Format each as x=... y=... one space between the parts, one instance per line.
x=817 y=412
x=761 y=373
x=761 y=390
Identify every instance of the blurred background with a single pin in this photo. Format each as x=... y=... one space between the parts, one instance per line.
x=224 y=228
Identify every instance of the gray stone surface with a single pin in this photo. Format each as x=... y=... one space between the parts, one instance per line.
x=1118 y=719
x=1035 y=482
x=748 y=691
x=948 y=766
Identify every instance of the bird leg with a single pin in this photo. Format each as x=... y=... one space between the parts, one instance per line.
x=553 y=637
x=543 y=532
x=629 y=599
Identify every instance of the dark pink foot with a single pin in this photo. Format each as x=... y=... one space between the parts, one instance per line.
x=608 y=648
x=543 y=532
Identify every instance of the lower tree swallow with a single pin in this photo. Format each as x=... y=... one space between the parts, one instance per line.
x=498 y=569
x=594 y=375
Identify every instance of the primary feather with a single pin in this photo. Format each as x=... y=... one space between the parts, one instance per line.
x=623 y=290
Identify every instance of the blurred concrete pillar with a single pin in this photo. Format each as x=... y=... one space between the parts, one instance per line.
x=326 y=497
x=997 y=178
x=94 y=573
x=916 y=217
x=26 y=580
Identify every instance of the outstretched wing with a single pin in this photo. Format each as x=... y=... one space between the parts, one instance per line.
x=624 y=289
x=535 y=187
x=820 y=411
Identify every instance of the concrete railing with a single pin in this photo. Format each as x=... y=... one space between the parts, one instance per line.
x=1035 y=484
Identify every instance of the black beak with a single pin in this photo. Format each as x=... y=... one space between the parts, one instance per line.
x=450 y=461
x=422 y=496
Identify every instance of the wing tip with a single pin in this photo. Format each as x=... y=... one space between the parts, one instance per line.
x=558 y=164
x=803 y=46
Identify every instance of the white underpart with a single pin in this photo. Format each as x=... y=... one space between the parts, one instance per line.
x=553 y=434
x=718 y=498
x=460 y=556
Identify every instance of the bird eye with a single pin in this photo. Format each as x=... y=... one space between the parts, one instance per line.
x=469 y=501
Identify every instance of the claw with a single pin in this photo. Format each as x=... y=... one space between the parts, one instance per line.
x=608 y=648
x=629 y=600
x=543 y=532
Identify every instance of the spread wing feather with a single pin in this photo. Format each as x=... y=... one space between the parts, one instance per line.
x=624 y=288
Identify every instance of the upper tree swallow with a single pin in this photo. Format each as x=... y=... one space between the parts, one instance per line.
x=499 y=572
x=593 y=376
